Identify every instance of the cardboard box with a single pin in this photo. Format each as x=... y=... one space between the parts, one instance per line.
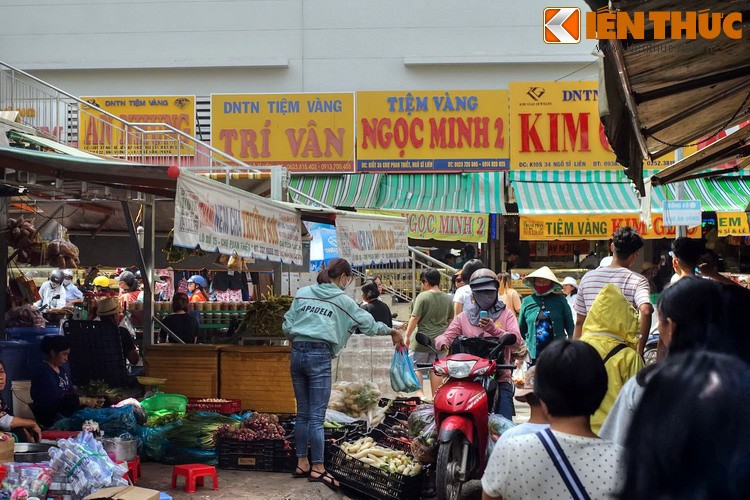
x=124 y=493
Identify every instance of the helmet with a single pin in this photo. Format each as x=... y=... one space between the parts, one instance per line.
x=128 y=278
x=57 y=277
x=102 y=281
x=198 y=280
x=481 y=283
x=68 y=273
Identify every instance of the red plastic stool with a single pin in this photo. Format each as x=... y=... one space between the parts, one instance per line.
x=133 y=471
x=137 y=463
x=194 y=476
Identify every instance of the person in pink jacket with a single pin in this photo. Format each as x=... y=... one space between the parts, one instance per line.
x=499 y=321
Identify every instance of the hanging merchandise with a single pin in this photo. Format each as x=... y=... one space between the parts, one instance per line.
x=21 y=235
x=62 y=254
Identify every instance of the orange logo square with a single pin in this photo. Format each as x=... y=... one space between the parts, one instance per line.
x=562 y=25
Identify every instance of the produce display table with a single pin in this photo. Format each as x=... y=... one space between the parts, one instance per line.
x=259 y=376
x=190 y=369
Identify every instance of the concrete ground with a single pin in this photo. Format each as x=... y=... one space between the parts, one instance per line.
x=269 y=485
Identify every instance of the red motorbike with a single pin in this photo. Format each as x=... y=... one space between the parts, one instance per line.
x=462 y=406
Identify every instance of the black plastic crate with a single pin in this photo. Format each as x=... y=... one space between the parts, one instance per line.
x=264 y=455
x=368 y=480
x=401 y=405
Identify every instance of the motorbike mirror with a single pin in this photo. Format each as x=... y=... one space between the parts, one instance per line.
x=507 y=339
x=424 y=340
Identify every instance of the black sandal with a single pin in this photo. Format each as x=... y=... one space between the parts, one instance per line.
x=325 y=478
x=300 y=473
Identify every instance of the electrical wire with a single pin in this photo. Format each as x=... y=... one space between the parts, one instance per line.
x=576 y=71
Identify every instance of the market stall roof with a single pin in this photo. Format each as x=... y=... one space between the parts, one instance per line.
x=727 y=193
x=476 y=192
x=734 y=146
x=665 y=94
x=103 y=217
x=355 y=190
x=52 y=174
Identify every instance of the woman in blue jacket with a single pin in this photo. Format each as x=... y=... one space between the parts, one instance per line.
x=319 y=323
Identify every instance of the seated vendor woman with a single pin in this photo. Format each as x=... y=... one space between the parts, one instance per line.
x=25 y=429
x=52 y=387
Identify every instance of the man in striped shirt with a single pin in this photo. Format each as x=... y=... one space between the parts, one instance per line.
x=626 y=243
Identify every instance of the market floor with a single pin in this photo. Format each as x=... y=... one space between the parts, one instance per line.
x=269 y=485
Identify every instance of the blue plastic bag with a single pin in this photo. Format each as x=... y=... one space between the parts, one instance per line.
x=403 y=376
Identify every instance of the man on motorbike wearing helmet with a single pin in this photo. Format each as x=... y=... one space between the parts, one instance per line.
x=52 y=292
x=196 y=286
x=486 y=316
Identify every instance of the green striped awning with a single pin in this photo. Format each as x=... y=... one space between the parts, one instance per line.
x=574 y=192
x=355 y=191
x=729 y=193
x=476 y=192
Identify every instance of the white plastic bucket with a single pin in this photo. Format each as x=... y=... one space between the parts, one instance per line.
x=22 y=398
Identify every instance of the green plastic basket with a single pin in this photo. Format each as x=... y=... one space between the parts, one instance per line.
x=163 y=403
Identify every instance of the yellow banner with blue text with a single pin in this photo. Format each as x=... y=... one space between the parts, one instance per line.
x=594 y=227
x=733 y=223
x=442 y=226
x=101 y=134
x=306 y=133
x=556 y=126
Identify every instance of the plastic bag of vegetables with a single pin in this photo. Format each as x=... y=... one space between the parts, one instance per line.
x=355 y=399
x=421 y=417
x=403 y=376
x=497 y=424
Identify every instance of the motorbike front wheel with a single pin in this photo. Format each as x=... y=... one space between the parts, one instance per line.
x=449 y=461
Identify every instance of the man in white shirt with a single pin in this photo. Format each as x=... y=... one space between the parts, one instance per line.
x=463 y=294
x=626 y=243
x=567 y=460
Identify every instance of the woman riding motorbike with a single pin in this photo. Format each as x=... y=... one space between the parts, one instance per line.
x=486 y=316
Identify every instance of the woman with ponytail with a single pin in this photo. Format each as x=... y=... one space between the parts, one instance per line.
x=319 y=324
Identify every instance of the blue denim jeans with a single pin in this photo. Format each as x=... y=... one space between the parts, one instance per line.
x=504 y=404
x=311 y=376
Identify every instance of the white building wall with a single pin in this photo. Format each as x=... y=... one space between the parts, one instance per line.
x=130 y=47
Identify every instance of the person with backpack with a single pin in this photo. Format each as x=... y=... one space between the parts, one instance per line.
x=545 y=315
x=611 y=327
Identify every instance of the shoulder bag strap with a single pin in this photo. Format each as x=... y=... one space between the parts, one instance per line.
x=562 y=464
x=615 y=350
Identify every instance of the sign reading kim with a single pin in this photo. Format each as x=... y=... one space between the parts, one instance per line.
x=100 y=134
x=432 y=131
x=306 y=133
x=556 y=126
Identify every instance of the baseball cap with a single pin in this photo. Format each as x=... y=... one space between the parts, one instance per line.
x=528 y=385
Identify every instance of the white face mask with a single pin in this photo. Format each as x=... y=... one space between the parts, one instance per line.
x=67 y=282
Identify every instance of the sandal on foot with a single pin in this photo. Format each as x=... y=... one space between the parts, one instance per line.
x=300 y=473
x=325 y=478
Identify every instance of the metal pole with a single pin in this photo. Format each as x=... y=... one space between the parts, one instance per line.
x=148 y=260
x=276 y=194
x=4 y=202
x=679 y=154
x=413 y=276
x=501 y=230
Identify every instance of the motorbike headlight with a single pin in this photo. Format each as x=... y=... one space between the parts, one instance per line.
x=460 y=369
